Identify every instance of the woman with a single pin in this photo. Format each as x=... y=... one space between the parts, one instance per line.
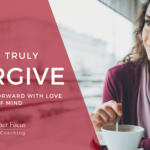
x=127 y=87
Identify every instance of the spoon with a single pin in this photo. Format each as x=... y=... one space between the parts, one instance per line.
x=117 y=121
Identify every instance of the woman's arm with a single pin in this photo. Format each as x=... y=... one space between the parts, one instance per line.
x=145 y=143
x=109 y=91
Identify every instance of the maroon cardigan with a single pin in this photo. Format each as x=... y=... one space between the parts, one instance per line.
x=121 y=84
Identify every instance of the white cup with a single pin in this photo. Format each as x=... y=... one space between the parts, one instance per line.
x=121 y=140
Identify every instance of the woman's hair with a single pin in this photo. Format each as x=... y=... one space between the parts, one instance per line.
x=138 y=53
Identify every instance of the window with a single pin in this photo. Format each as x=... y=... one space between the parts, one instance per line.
x=97 y=38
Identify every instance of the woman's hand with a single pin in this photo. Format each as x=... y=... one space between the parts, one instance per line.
x=106 y=114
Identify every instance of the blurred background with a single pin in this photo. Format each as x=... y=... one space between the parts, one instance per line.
x=96 y=34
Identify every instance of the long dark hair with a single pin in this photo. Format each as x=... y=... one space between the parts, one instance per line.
x=138 y=53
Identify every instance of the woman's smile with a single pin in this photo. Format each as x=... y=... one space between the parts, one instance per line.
x=148 y=47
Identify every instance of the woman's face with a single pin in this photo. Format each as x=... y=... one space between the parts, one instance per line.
x=146 y=32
